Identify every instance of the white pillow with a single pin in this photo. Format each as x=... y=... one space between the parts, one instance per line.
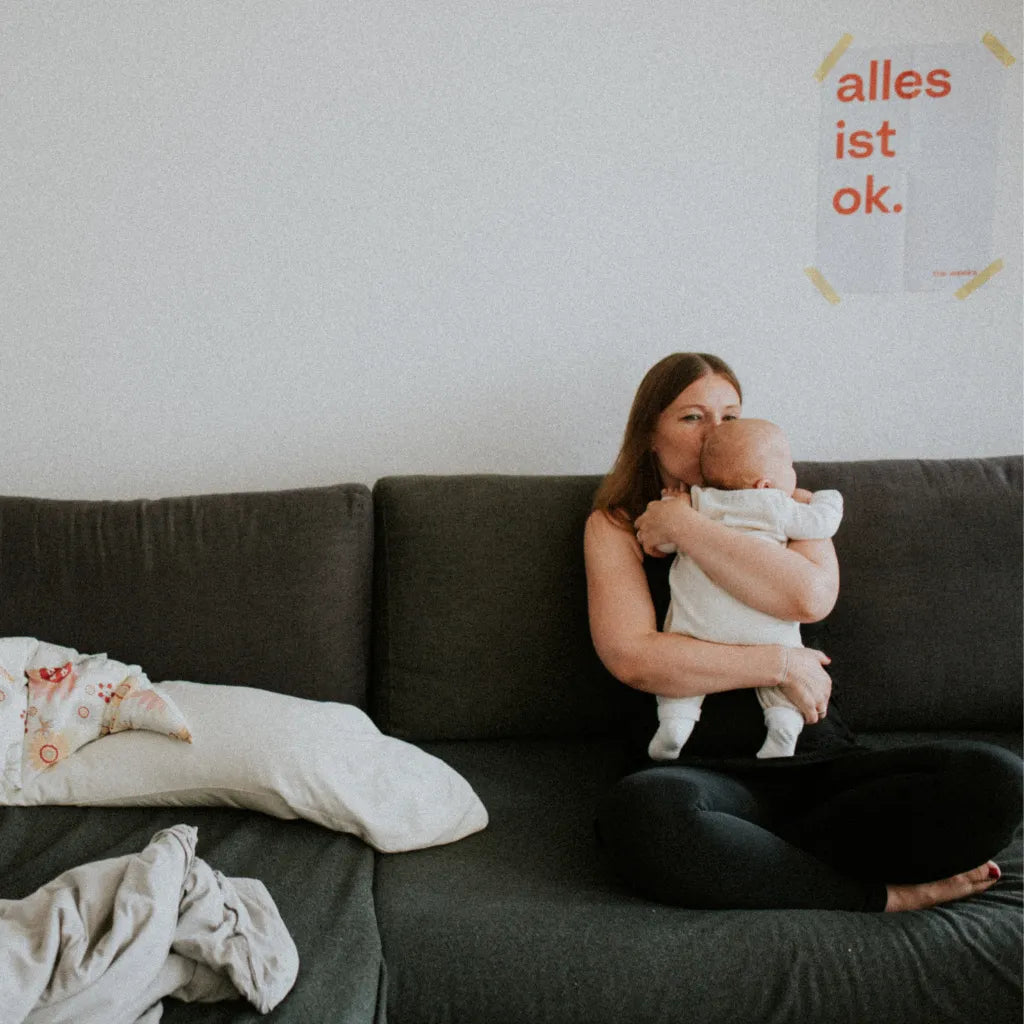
x=284 y=756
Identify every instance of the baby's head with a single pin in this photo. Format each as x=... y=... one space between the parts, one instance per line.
x=740 y=454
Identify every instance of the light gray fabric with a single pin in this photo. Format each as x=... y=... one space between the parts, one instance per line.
x=109 y=939
x=268 y=589
x=320 y=881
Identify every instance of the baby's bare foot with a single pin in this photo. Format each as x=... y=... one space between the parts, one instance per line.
x=930 y=894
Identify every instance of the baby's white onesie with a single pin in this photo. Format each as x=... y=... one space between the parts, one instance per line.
x=702 y=609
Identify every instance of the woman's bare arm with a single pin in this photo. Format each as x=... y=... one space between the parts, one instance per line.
x=799 y=582
x=625 y=634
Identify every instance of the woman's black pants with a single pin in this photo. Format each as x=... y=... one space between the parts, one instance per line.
x=828 y=835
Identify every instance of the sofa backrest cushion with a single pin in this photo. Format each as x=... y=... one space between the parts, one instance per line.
x=265 y=589
x=926 y=633
x=481 y=621
x=481 y=610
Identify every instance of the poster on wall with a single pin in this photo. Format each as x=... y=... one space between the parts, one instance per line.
x=908 y=151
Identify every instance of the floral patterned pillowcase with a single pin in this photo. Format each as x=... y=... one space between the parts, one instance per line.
x=14 y=654
x=64 y=700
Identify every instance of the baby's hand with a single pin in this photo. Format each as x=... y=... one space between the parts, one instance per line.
x=668 y=493
x=804 y=497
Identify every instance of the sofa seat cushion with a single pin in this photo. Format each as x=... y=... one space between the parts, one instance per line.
x=523 y=922
x=321 y=882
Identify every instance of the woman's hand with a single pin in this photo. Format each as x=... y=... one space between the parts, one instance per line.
x=806 y=683
x=657 y=528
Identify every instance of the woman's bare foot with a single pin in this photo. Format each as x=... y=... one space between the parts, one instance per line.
x=930 y=894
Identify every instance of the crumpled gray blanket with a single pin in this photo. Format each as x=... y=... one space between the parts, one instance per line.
x=106 y=941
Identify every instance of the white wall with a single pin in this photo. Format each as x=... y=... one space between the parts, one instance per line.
x=259 y=245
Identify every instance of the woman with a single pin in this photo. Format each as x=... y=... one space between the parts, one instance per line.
x=836 y=826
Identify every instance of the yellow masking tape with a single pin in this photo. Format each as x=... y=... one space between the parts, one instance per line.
x=997 y=48
x=830 y=61
x=819 y=282
x=976 y=282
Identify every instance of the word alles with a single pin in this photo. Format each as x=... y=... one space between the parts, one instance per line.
x=880 y=84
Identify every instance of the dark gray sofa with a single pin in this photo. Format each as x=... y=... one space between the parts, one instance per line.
x=453 y=608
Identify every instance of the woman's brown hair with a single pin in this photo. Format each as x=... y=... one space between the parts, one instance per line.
x=634 y=479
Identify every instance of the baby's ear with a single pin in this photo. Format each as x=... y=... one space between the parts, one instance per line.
x=763 y=482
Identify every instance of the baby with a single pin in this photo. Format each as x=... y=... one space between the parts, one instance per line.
x=748 y=470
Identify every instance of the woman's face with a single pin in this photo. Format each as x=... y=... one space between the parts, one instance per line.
x=681 y=428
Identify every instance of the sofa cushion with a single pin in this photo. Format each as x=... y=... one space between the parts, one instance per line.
x=481 y=614
x=926 y=633
x=269 y=589
x=524 y=922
